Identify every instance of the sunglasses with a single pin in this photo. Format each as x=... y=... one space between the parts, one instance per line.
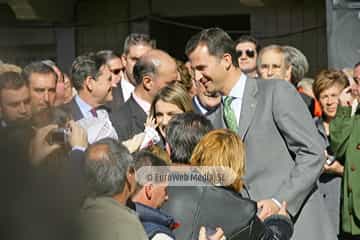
x=250 y=53
x=116 y=71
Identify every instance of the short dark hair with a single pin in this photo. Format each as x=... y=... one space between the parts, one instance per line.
x=217 y=41
x=107 y=176
x=11 y=80
x=248 y=38
x=37 y=67
x=85 y=66
x=357 y=64
x=107 y=55
x=146 y=158
x=144 y=66
x=183 y=132
x=134 y=39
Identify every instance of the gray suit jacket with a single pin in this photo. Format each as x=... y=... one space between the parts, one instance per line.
x=284 y=152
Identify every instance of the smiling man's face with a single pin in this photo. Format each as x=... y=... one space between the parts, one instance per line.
x=209 y=70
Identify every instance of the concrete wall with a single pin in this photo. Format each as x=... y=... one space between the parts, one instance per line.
x=104 y=25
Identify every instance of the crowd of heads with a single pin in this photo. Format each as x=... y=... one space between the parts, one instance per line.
x=34 y=94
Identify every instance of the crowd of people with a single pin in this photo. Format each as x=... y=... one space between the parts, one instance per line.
x=76 y=144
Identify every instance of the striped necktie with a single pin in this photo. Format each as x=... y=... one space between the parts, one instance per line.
x=229 y=114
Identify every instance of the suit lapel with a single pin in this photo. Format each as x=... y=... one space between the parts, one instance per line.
x=138 y=114
x=248 y=106
x=75 y=110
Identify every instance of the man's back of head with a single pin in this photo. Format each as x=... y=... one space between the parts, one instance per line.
x=107 y=164
x=183 y=133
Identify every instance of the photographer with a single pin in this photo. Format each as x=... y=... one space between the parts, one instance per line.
x=54 y=132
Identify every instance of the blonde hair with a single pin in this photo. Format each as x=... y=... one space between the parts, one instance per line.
x=9 y=68
x=175 y=94
x=222 y=147
x=326 y=79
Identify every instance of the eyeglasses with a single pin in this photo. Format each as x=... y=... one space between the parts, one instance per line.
x=249 y=52
x=116 y=71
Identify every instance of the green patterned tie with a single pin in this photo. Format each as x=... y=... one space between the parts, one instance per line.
x=229 y=114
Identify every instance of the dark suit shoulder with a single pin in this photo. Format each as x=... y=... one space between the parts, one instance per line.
x=72 y=109
x=129 y=119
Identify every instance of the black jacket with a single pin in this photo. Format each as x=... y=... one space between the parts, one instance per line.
x=196 y=206
x=128 y=120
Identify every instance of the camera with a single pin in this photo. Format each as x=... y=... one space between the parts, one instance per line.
x=58 y=136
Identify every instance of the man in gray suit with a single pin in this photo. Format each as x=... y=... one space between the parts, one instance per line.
x=283 y=149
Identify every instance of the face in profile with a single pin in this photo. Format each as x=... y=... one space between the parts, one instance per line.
x=329 y=99
x=116 y=69
x=102 y=86
x=355 y=88
x=164 y=112
x=272 y=66
x=209 y=70
x=207 y=100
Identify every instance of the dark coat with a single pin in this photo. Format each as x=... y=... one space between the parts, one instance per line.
x=128 y=120
x=196 y=206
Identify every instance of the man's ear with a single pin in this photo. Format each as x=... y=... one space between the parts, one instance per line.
x=227 y=60
x=148 y=82
x=123 y=59
x=288 y=73
x=148 y=190
x=130 y=180
x=89 y=83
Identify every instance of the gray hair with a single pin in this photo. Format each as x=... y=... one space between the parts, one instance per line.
x=273 y=47
x=85 y=66
x=297 y=60
x=37 y=67
x=306 y=83
x=106 y=171
x=138 y=39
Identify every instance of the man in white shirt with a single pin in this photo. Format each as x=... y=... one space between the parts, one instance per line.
x=91 y=78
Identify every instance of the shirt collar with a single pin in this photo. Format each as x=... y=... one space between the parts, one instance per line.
x=199 y=105
x=84 y=107
x=238 y=90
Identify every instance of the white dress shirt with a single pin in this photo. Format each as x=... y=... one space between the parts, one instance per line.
x=237 y=92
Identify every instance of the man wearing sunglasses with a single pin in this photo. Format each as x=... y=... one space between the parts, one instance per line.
x=247 y=48
x=113 y=60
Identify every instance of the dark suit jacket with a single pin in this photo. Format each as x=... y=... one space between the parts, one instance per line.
x=118 y=98
x=73 y=109
x=128 y=120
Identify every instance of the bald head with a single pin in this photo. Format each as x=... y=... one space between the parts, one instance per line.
x=106 y=165
x=155 y=70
